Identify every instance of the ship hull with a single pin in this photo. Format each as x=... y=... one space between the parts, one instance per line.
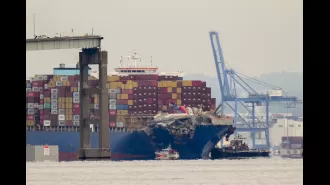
x=139 y=145
x=135 y=145
x=68 y=142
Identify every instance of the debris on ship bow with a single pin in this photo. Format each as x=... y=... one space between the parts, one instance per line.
x=179 y=126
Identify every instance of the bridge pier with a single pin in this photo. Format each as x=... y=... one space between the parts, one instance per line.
x=86 y=57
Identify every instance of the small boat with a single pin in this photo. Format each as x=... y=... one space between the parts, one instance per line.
x=167 y=154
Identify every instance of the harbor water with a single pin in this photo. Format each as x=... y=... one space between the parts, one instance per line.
x=221 y=172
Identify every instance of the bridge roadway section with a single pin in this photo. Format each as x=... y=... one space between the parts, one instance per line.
x=91 y=54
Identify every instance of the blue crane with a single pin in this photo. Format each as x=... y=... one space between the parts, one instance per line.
x=230 y=80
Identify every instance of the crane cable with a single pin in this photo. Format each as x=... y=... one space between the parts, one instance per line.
x=255 y=80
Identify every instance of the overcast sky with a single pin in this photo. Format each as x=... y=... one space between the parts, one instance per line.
x=257 y=36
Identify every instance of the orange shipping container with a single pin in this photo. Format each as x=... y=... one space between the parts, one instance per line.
x=122 y=96
x=68 y=117
x=68 y=105
x=46 y=100
x=186 y=83
x=68 y=111
x=169 y=89
x=178 y=102
x=178 y=90
x=120 y=118
x=61 y=100
x=130 y=102
x=174 y=96
x=30 y=122
x=61 y=105
x=68 y=99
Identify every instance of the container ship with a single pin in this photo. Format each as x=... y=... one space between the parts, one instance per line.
x=137 y=93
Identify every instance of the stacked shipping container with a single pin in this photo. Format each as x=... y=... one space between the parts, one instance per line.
x=54 y=100
x=195 y=93
x=169 y=92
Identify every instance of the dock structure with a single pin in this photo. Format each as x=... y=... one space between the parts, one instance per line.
x=91 y=54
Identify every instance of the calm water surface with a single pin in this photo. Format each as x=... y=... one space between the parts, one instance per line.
x=202 y=172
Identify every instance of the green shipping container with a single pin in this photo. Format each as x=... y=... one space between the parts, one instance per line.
x=47 y=106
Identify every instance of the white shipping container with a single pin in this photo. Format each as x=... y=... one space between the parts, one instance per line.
x=41 y=96
x=53 y=101
x=46 y=86
x=119 y=124
x=53 y=106
x=64 y=78
x=53 y=111
x=28 y=89
x=112 y=101
x=112 y=96
x=61 y=111
x=58 y=83
x=75 y=122
x=61 y=117
x=112 y=91
x=36 y=105
x=75 y=117
x=76 y=94
x=96 y=106
x=35 y=89
x=46 y=123
x=30 y=105
x=118 y=91
x=112 y=107
x=41 y=89
x=61 y=123
x=41 y=106
x=53 y=91
x=275 y=93
x=30 y=111
x=75 y=100
x=44 y=77
x=53 y=96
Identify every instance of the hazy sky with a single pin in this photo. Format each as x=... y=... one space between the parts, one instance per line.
x=257 y=36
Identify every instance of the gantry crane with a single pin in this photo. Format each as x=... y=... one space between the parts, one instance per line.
x=229 y=80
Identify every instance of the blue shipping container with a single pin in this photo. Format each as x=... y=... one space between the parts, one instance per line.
x=122 y=107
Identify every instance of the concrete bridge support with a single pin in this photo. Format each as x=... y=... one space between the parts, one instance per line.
x=87 y=57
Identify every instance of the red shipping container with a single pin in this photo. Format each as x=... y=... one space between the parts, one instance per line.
x=196 y=83
x=46 y=116
x=30 y=117
x=32 y=94
x=112 y=118
x=69 y=123
x=36 y=83
x=71 y=79
x=122 y=102
x=75 y=110
x=41 y=101
x=46 y=93
x=149 y=100
x=76 y=105
x=127 y=91
x=112 y=112
x=46 y=111
x=68 y=94
x=112 y=124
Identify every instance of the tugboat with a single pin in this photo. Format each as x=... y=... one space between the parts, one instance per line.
x=167 y=154
x=237 y=149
